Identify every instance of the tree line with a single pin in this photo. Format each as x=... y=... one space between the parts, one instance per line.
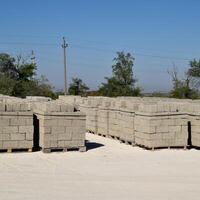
x=18 y=77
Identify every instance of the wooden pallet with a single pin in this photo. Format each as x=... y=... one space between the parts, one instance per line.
x=92 y=132
x=173 y=147
x=15 y=150
x=160 y=148
x=114 y=137
x=65 y=149
x=100 y=134
x=127 y=142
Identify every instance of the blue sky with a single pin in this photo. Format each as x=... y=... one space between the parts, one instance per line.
x=158 y=33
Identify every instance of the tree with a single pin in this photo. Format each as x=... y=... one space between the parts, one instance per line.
x=18 y=78
x=7 y=66
x=194 y=73
x=6 y=85
x=182 y=88
x=25 y=70
x=78 y=87
x=122 y=82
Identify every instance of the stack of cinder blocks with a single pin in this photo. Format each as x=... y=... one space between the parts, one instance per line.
x=72 y=100
x=92 y=114
x=114 y=116
x=16 y=125
x=103 y=117
x=161 y=125
x=149 y=122
x=194 y=123
x=127 y=117
x=60 y=126
x=37 y=99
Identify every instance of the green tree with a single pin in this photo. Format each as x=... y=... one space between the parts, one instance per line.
x=7 y=85
x=194 y=73
x=25 y=70
x=45 y=88
x=122 y=82
x=7 y=66
x=18 y=78
x=182 y=88
x=78 y=87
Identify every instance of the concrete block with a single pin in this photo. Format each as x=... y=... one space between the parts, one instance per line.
x=17 y=136
x=26 y=129
x=65 y=136
x=4 y=122
x=25 y=144
x=4 y=136
x=10 y=129
x=10 y=144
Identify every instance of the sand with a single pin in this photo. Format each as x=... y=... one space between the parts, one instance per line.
x=108 y=170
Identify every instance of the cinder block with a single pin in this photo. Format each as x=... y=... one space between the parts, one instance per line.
x=2 y=107
x=65 y=122
x=5 y=136
x=29 y=136
x=17 y=136
x=76 y=136
x=25 y=144
x=57 y=129
x=4 y=122
x=26 y=129
x=173 y=129
x=10 y=129
x=10 y=144
x=162 y=129
x=65 y=136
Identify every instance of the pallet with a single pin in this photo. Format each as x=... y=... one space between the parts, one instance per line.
x=127 y=142
x=114 y=137
x=65 y=149
x=92 y=132
x=15 y=150
x=160 y=148
x=100 y=134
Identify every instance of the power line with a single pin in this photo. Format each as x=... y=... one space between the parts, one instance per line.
x=137 y=54
x=85 y=40
x=98 y=49
x=30 y=36
x=29 y=43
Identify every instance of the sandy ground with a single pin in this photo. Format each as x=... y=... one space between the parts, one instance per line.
x=108 y=170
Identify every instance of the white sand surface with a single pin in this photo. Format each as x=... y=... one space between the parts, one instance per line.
x=112 y=171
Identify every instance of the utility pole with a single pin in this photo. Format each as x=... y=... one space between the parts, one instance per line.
x=33 y=57
x=33 y=60
x=64 y=46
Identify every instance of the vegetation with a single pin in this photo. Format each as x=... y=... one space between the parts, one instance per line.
x=18 y=78
x=78 y=87
x=188 y=86
x=122 y=82
x=159 y=94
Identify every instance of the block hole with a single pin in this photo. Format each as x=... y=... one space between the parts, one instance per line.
x=36 y=134
x=189 y=142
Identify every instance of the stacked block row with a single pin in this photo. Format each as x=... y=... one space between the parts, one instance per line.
x=127 y=121
x=16 y=126
x=194 y=113
x=60 y=127
x=148 y=122
x=114 y=116
x=103 y=118
x=161 y=125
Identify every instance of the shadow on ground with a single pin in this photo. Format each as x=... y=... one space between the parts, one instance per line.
x=92 y=145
